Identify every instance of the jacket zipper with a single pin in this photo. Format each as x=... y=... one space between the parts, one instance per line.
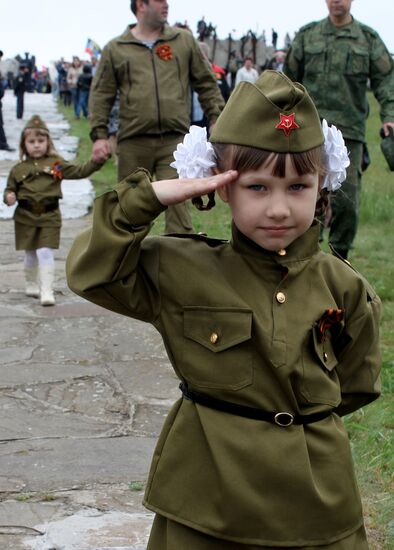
x=157 y=92
x=129 y=82
x=179 y=76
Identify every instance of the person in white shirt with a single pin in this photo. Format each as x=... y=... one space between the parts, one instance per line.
x=247 y=73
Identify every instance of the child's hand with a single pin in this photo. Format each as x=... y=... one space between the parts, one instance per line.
x=101 y=151
x=178 y=190
x=102 y=161
x=10 y=198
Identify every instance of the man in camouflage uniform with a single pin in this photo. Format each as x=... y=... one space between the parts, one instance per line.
x=335 y=59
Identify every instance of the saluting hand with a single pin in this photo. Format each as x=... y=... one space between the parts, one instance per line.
x=178 y=190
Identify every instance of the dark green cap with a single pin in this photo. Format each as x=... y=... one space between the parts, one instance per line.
x=274 y=114
x=36 y=123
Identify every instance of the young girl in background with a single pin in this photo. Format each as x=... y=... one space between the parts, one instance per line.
x=273 y=340
x=35 y=184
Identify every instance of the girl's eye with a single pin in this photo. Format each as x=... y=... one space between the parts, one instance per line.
x=297 y=187
x=256 y=187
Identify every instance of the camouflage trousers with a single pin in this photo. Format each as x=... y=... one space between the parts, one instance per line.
x=345 y=203
x=155 y=153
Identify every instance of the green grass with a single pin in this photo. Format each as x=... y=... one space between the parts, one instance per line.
x=370 y=429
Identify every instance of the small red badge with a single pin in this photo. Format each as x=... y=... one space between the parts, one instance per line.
x=287 y=124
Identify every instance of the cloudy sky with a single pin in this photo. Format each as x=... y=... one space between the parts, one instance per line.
x=51 y=29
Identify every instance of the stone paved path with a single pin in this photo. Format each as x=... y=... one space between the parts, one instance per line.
x=83 y=394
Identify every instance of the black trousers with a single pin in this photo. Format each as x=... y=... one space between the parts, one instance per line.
x=3 y=139
x=19 y=104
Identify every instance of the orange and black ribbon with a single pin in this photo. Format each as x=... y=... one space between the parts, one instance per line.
x=164 y=52
x=329 y=318
x=57 y=170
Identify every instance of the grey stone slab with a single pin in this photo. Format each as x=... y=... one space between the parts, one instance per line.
x=91 y=529
x=27 y=373
x=24 y=415
x=132 y=340
x=15 y=310
x=15 y=354
x=27 y=513
x=58 y=464
x=10 y=485
x=74 y=307
x=149 y=378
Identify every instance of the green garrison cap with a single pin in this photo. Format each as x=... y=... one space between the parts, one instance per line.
x=36 y=123
x=274 y=114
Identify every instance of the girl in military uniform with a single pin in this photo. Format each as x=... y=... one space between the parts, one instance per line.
x=273 y=340
x=35 y=184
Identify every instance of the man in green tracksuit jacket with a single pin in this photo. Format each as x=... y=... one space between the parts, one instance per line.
x=154 y=67
x=336 y=58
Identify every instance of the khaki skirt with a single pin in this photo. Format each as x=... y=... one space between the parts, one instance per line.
x=28 y=237
x=170 y=535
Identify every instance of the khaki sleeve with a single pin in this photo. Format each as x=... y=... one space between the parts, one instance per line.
x=11 y=187
x=360 y=361
x=294 y=62
x=110 y=264
x=72 y=171
x=382 y=78
x=102 y=96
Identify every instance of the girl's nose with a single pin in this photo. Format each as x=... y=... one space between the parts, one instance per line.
x=278 y=208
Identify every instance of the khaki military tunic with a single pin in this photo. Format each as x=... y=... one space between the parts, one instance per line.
x=39 y=181
x=241 y=324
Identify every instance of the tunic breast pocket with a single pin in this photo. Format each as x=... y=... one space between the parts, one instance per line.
x=217 y=347
x=358 y=62
x=315 y=58
x=320 y=382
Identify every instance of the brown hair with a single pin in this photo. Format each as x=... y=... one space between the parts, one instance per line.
x=133 y=5
x=36 y=132
x=243 y=159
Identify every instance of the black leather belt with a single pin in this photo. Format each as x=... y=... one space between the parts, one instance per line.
x=283 y=419
x=39 y=207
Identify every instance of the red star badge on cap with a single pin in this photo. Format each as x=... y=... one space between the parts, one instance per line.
x=287 y=123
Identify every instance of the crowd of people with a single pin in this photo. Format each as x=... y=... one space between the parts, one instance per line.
x=73 y=83
x=262 y=379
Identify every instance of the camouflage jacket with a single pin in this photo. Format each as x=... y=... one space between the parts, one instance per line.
x=336 y=65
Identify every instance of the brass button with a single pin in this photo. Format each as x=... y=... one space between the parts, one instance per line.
x=282 y=252
x=325 y=357
x=214 y=338
x=281 y=298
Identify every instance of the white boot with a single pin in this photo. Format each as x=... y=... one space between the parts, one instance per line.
x=31 y=276
x=47 y=275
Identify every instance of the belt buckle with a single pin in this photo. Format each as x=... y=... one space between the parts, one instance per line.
x=37 y=208
x=284 y=419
